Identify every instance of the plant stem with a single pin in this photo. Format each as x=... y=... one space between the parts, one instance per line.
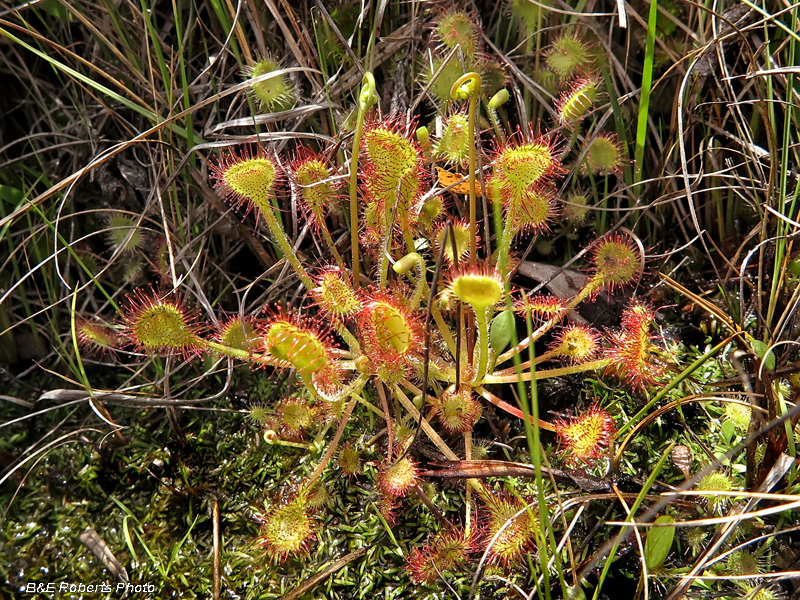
x=334 y=443
x=383 y=271
x=496 y=124
x=505 y=406
x=473 y=208
x=674 y=383
x=366 y=99
x=354 y=391
x=504 y=242
x=592 y=286
x=276 y=229
x=483 y=344
x=387 y=415
x=332 y=246
x=412 y=260
x=431 y=432
x=631 y=513
x=227 y=350
x=444 y=329
x=469 y=86
x=581 y=368
x=468 y=495
x=348 y=337
x=537 y=361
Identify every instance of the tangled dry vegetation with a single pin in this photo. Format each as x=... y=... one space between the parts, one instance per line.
x=400 y=299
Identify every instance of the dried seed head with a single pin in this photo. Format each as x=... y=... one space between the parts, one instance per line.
x=246 y=179
x=577 y=343
x=273 y=94
x=682 y=458
x=286 y=529
x=458 y=410
x=161 y=324
x=585 y=437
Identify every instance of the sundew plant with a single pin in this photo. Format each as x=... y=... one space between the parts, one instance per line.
x=416 y=331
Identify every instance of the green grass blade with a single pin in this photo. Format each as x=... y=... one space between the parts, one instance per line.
x=635 y=507
x=644 y=99
x=99 y=87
